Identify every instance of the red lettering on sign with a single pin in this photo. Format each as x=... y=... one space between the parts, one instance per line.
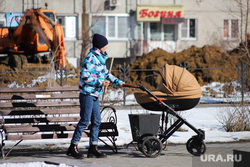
x=178 y=14
x=157 y=13
x=163 y=13
x=173 y=20
x=163 y=21
x=143 y=12
x=170 y=14
x=151 y=13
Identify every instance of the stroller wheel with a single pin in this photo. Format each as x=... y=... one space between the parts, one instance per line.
x=164 y=145
x=196 y=146
x=151 y=146
x=141 y=139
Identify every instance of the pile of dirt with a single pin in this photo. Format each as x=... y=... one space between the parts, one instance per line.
x=207 y=57
x=29 y=72
x=208 y=61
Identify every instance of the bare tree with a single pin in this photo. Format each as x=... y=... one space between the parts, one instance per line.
x=87 y=32
x=241 y=9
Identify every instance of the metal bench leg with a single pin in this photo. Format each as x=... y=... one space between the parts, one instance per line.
x=13 y=147
x=2 y=144
x=2 y=152
x=114 y=148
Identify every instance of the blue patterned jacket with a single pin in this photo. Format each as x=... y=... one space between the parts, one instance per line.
x=94 y=72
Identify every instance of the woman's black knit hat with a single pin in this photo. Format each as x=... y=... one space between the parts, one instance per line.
x=99 y=41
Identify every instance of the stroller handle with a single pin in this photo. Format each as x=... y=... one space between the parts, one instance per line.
x=136 y=86
x=130 y=85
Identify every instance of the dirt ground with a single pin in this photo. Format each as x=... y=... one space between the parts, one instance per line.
x=208 y=56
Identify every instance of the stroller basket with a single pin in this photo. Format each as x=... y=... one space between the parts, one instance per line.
x=143 y=124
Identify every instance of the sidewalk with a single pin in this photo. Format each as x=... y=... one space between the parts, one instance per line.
x=175 y=155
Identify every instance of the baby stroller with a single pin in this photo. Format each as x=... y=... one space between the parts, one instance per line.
x=178 y=91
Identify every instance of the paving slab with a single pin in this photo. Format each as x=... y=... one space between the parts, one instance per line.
x=217 y=154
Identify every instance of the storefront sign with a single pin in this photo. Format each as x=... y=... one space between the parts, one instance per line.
x=171 y=20
x=155 y=13
x=13 y=19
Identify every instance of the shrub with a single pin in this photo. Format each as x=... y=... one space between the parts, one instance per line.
x=235 y=118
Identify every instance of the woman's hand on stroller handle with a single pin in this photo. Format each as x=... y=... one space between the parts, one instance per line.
x=134 y=86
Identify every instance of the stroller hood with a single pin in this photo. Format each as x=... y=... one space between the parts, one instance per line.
x=177 y=84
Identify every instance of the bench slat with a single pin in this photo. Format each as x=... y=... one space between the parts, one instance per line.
x=38 y=89
x=40 y=96
x=40 y=136
x=40 y=128
x=41 y=120
x=105 y=134
x=40 y=104
x=107 y=129
x=41 y=111
x=108 y=125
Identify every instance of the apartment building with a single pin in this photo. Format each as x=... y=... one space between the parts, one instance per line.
x=135 y=27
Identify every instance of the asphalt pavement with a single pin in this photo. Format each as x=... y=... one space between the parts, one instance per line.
x=217 y=154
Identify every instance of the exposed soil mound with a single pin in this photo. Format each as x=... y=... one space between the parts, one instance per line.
x=206 y=62
x=205 y=57
x=27 y=73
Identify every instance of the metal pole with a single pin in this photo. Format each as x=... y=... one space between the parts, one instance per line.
x=61 y=77
x=124 y=79
x=242 y=82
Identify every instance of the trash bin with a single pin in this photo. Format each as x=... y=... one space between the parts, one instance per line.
x=143 y=124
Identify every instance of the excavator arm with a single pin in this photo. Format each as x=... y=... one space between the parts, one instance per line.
x=59 y=47
x=52 y=34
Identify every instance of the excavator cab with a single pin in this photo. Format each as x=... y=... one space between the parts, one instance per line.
x=50 y=14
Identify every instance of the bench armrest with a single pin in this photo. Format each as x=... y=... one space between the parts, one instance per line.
x=108 y=114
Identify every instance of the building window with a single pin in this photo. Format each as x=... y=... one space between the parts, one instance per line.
x=113 y=27
x=69 y=24
x=231 y=29
x=123 y=27
x=50 y=15
x=155 y=31
x=169 y=32
x=189 y=29
x=98 y=23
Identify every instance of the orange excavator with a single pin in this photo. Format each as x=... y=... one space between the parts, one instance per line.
x=37 y=32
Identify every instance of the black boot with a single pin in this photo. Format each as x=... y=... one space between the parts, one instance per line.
x=94 y=152
x=74 y=152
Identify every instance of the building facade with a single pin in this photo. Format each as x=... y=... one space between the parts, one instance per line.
x=134 y=27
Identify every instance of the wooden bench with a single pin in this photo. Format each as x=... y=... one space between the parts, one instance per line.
x=47 y=113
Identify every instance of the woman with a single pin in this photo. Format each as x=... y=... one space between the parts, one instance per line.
x=93 y=77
